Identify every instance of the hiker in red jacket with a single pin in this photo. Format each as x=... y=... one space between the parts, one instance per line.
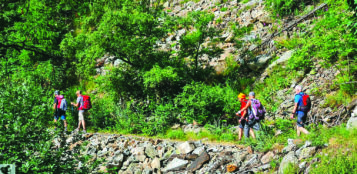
x=243 y=126
x=81 y=111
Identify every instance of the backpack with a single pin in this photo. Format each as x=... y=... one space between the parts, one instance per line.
x=86 y=103
x=305 y=104
x=59 y=101
x=258 y=110
x=63 y=105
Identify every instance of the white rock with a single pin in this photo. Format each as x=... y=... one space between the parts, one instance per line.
x=185 y=147
x=175 y=164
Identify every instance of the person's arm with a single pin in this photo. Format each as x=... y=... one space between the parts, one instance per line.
x=77 y=103
x=294 y=110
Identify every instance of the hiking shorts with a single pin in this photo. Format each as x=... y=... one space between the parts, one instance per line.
x=63 y=117
x=80 y=115
x=301 y=119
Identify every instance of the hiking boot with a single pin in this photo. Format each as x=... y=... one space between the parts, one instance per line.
x=84 y=131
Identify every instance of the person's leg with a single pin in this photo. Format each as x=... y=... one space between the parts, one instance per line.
x=80 y=118
x=55 y=120
x=301 y=123
x=251 y=131
x=63 y=117
x=240 y=133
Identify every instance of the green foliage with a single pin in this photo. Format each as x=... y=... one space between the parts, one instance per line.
x=206 y=104
x=176 y=134
x=286 y=7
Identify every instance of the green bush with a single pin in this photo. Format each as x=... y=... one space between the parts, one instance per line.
x=206 y=104
x=286 y=7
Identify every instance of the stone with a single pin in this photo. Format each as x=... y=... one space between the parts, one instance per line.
x=191 y=156
x=283 y=58
x=103 y=169
x=240 y=156
x=302 y=165
x=289 y=158
x=175 y=126
x=117 y=62
x=267 y=157
x=175 y=164
x=155 y=164
x=259 y=61
x=185 y=147
x=151 y=152
x=307 y=152
x=252 y=160
x=289 y=148
x=138 y=153
x=231 y=168
x=352 y=123
x=352 y=105
x=197 y=164
x=198 y=150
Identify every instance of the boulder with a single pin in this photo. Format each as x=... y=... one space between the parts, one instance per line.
x=267 y=157
x=290 y=158
x=352 y=123
x=155 y=164
x=198 y=150
x=307 y=152
x=259 y=61
x=175 y=164
x=151 y=152
x=197 y=164
x=185 y=147
x=283 y=58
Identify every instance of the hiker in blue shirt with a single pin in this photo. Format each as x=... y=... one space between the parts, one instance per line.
x=301 y=114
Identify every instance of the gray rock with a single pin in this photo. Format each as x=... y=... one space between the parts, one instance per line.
x=352 y=123
x=267 y=157
x=307 y=152
x=302 y=165
x=259 y=61
x=155 y=164
x=252 y=160
x=151 y=152
x=117 y=62
x=185 y=147
x=197 y=164
x=198 y=150
x=175 y=164
x=240 y=156
x=289 y=148
x=289 y=158
x=283 y=58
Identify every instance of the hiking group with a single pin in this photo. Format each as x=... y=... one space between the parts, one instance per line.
x=83 y=104
x=252 y=112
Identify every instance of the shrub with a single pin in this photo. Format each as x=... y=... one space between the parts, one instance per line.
x=206 y=104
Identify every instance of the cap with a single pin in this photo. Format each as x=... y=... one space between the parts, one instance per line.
x=57 y=92
x=252 y=94
x=241 y=95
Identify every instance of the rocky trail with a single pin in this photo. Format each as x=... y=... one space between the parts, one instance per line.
x=134 y=154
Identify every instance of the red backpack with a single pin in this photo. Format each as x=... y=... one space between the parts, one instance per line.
x=59 y=100
x=305 y=104
x=86 y=103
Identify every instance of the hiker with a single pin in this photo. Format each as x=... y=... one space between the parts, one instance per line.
x=60 y=107
x=301 y=107
x=256 y=115
x=242 y=120
x=81 y=111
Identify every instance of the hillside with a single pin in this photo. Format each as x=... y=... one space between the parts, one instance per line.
x=172 y=70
